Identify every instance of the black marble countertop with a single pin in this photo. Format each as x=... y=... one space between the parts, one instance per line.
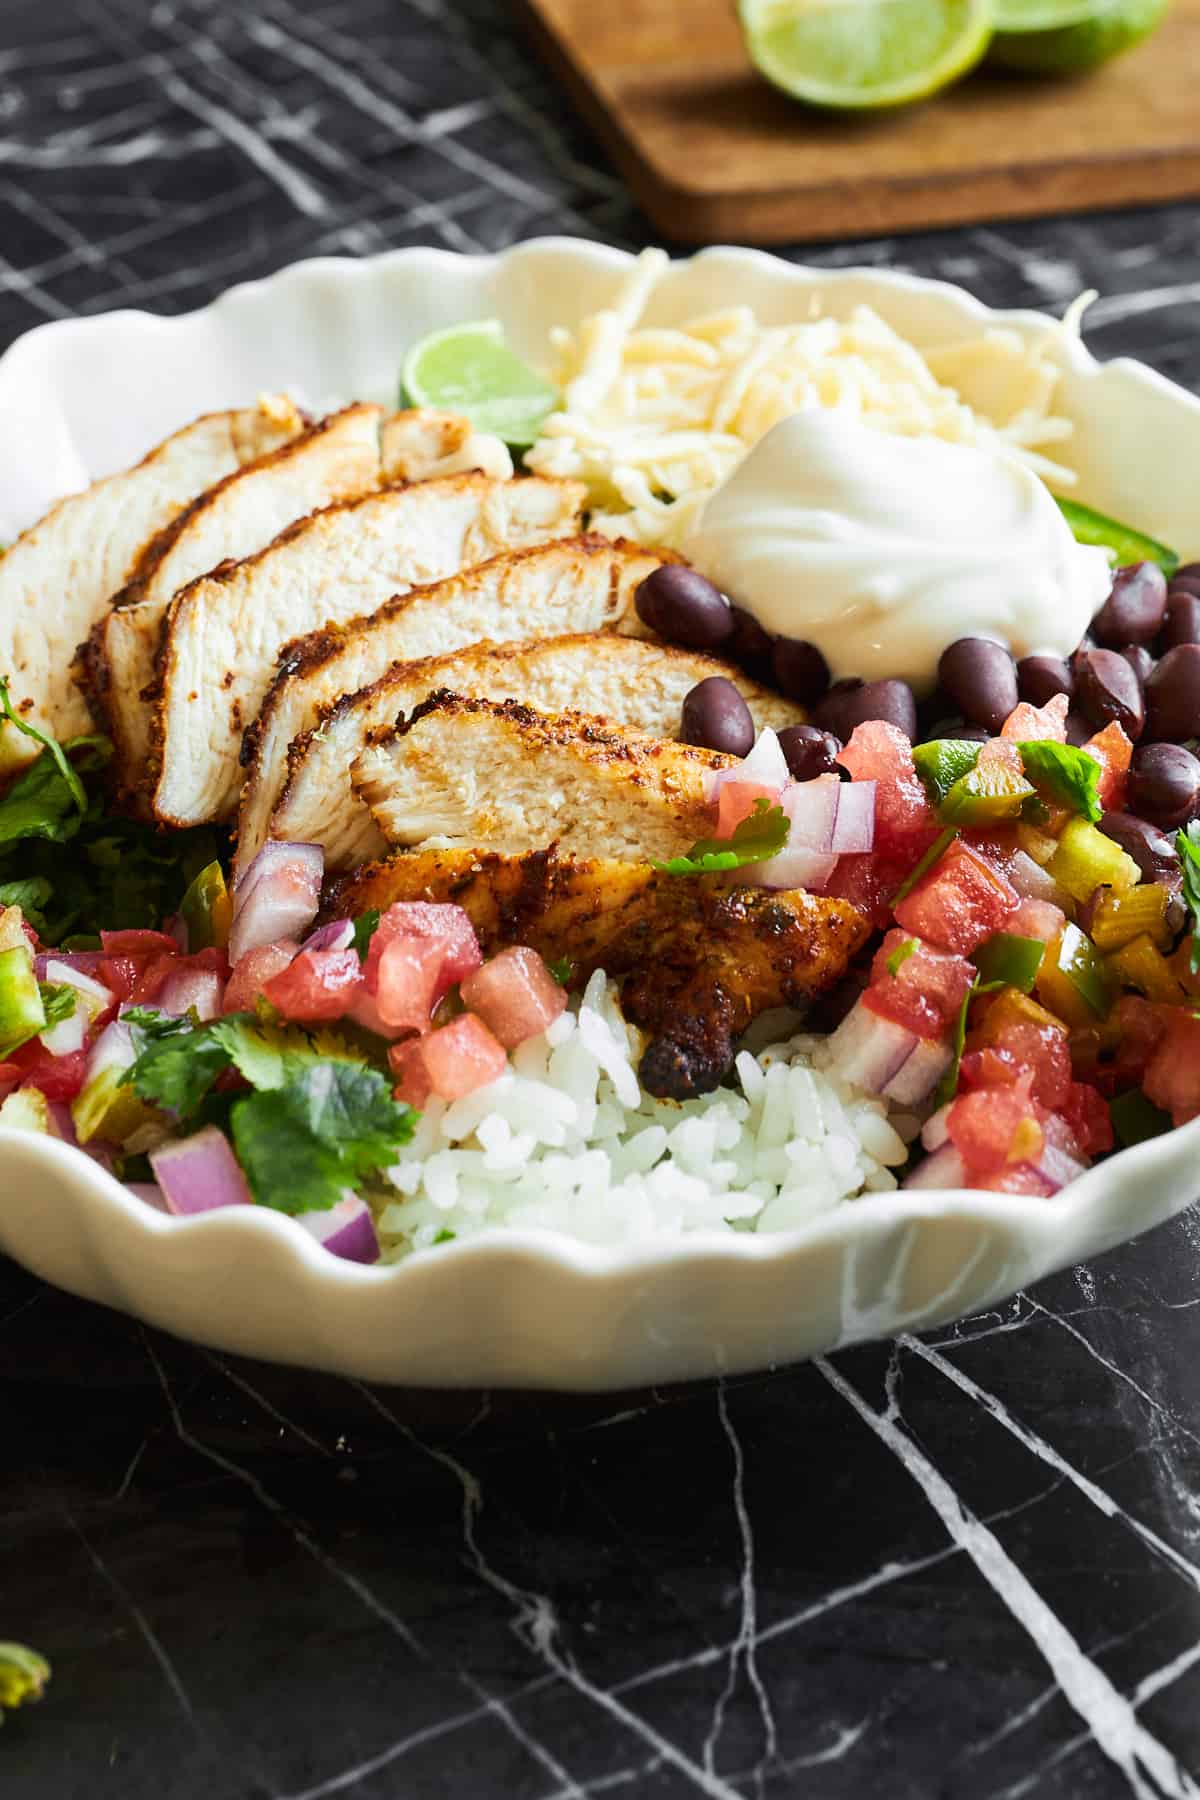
x=966 y=1567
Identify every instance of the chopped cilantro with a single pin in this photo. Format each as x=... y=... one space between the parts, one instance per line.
x=942 y=842
x=58 y=1001
x=1187 y=848
x=177 y=1062
x=760 y=836
x=561 y=968
x=67 y=775
x=365 y=927
x=947 y=1087
x=900 y=955
x=444 y=1236
x=326 y=1128
x=30 y=894
x=1071 y=776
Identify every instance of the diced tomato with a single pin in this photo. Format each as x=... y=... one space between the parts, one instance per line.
x=151 y=977
x=253 y=972
x=1085 y=1113
x=905 y=823
x=1021 y=1178
x=138 y=943
x=870 y=883
x=1017 y=1035
x=927 y=990
x=515 y=995
x=1138 y=1029
x=407 y=978
x=445 y=925
x=1049 y=722
x=994 y=1127
x=1172 y=1078
x=11 y=1076
x=1113 y=751
x=317 y=984
x=412 y=1077
x=120 y=973
x=364 y=1012
x=997 y=847
x=961 y=901
x=58 y=1077
x=454 y=1060
x=736 y=801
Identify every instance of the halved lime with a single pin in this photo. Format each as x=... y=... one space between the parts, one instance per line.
x=1065 y=37
x=860 y=54
x=469 y=369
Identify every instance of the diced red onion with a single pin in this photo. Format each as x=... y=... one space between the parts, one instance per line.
x=278 y=896
x=936 y=1130
x=766 y=764
x=62 y=1125
x=944 y=1169
x=94 y=997
x=346 y=1230
x=200 y=1173
x=113 y=1049
x=797 y=867
x=176 y=927
x=869 y=1051
x=68 y=1036
x=854 y=827
x=191 y=990
x=1056 y=1167
x=921 y=1072
x=150 y=1192
x=812 y=811
x=80 y=962
x=337 y=936
x=1031 y=881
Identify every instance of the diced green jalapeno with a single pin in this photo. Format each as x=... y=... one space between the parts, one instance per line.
x=1011 y=960
x=944 y=761
x=1126 y=544
x=987 y=795
x=207 y=910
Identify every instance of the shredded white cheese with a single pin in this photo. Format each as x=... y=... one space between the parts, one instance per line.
x=654 y=418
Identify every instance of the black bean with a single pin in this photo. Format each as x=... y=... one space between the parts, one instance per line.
x=1164 y=785
x=1039 y=678
x=1079 y=729
x=1188 y=578
x=750 y=645
x=956 y=730
x=1106 y=688
x=981 y=679
x=800 y=670
x=1173 y=696
x=682 y=607
x=715 y=715
x=1139 y=660
x=809 y=751
x=851 y=703
x=1182 y=623
x=1153 y=853
x=1134 y=609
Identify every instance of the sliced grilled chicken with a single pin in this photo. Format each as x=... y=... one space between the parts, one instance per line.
x=333 y=460
x=578 y=584
x=631 y=681
x=422 y=443
x=495 y=775
x=224 y=632
x=701 y=957
x=55 y=581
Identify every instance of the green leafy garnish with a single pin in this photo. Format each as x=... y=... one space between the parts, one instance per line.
x=759 y=837
x=1010 y=960
x=1187 y=849
x=444 y=1236
x=947 y=1087
x=317 y=1118
x=944 y=761
x=1127 y=545
x=58 y=1000
x=900 y=955
x=1071 y=776
x=365 y=927
x=940 y=844
x=51 y=747
x=30 y=894
x=560 y=968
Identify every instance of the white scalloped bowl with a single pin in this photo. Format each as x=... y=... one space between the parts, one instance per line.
x=83 y=398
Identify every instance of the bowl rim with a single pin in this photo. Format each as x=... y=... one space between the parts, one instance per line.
x=600 y=1262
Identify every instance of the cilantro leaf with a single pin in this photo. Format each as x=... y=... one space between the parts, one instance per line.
x=759 y=837
x=329 y=1126
x=31 y=895
x=561 y=968
x=1070 y=775
x=900 y=955
x=58 y=1002
x=50 y=747
x=1187 y=849
x=365 y=927
x=177 y=1062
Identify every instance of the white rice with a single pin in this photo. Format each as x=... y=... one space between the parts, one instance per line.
x=566 y=1141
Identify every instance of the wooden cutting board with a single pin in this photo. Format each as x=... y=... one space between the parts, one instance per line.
x=713 y=152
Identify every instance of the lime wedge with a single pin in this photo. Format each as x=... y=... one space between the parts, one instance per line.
x=860 y=54
x=1065 y=37
x=469 y=369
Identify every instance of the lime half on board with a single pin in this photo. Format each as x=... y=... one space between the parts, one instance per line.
x=862 y=54
x=1066 y=37
x=469 y=369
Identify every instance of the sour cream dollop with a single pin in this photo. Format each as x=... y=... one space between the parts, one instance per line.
x=882 y=550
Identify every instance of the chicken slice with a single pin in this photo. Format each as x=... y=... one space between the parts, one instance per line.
x=700 y=956
x=495 y=775
x=224 y=632
x=423 y=443
x=576 y=584
x=632 y=681
x=55 y=581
